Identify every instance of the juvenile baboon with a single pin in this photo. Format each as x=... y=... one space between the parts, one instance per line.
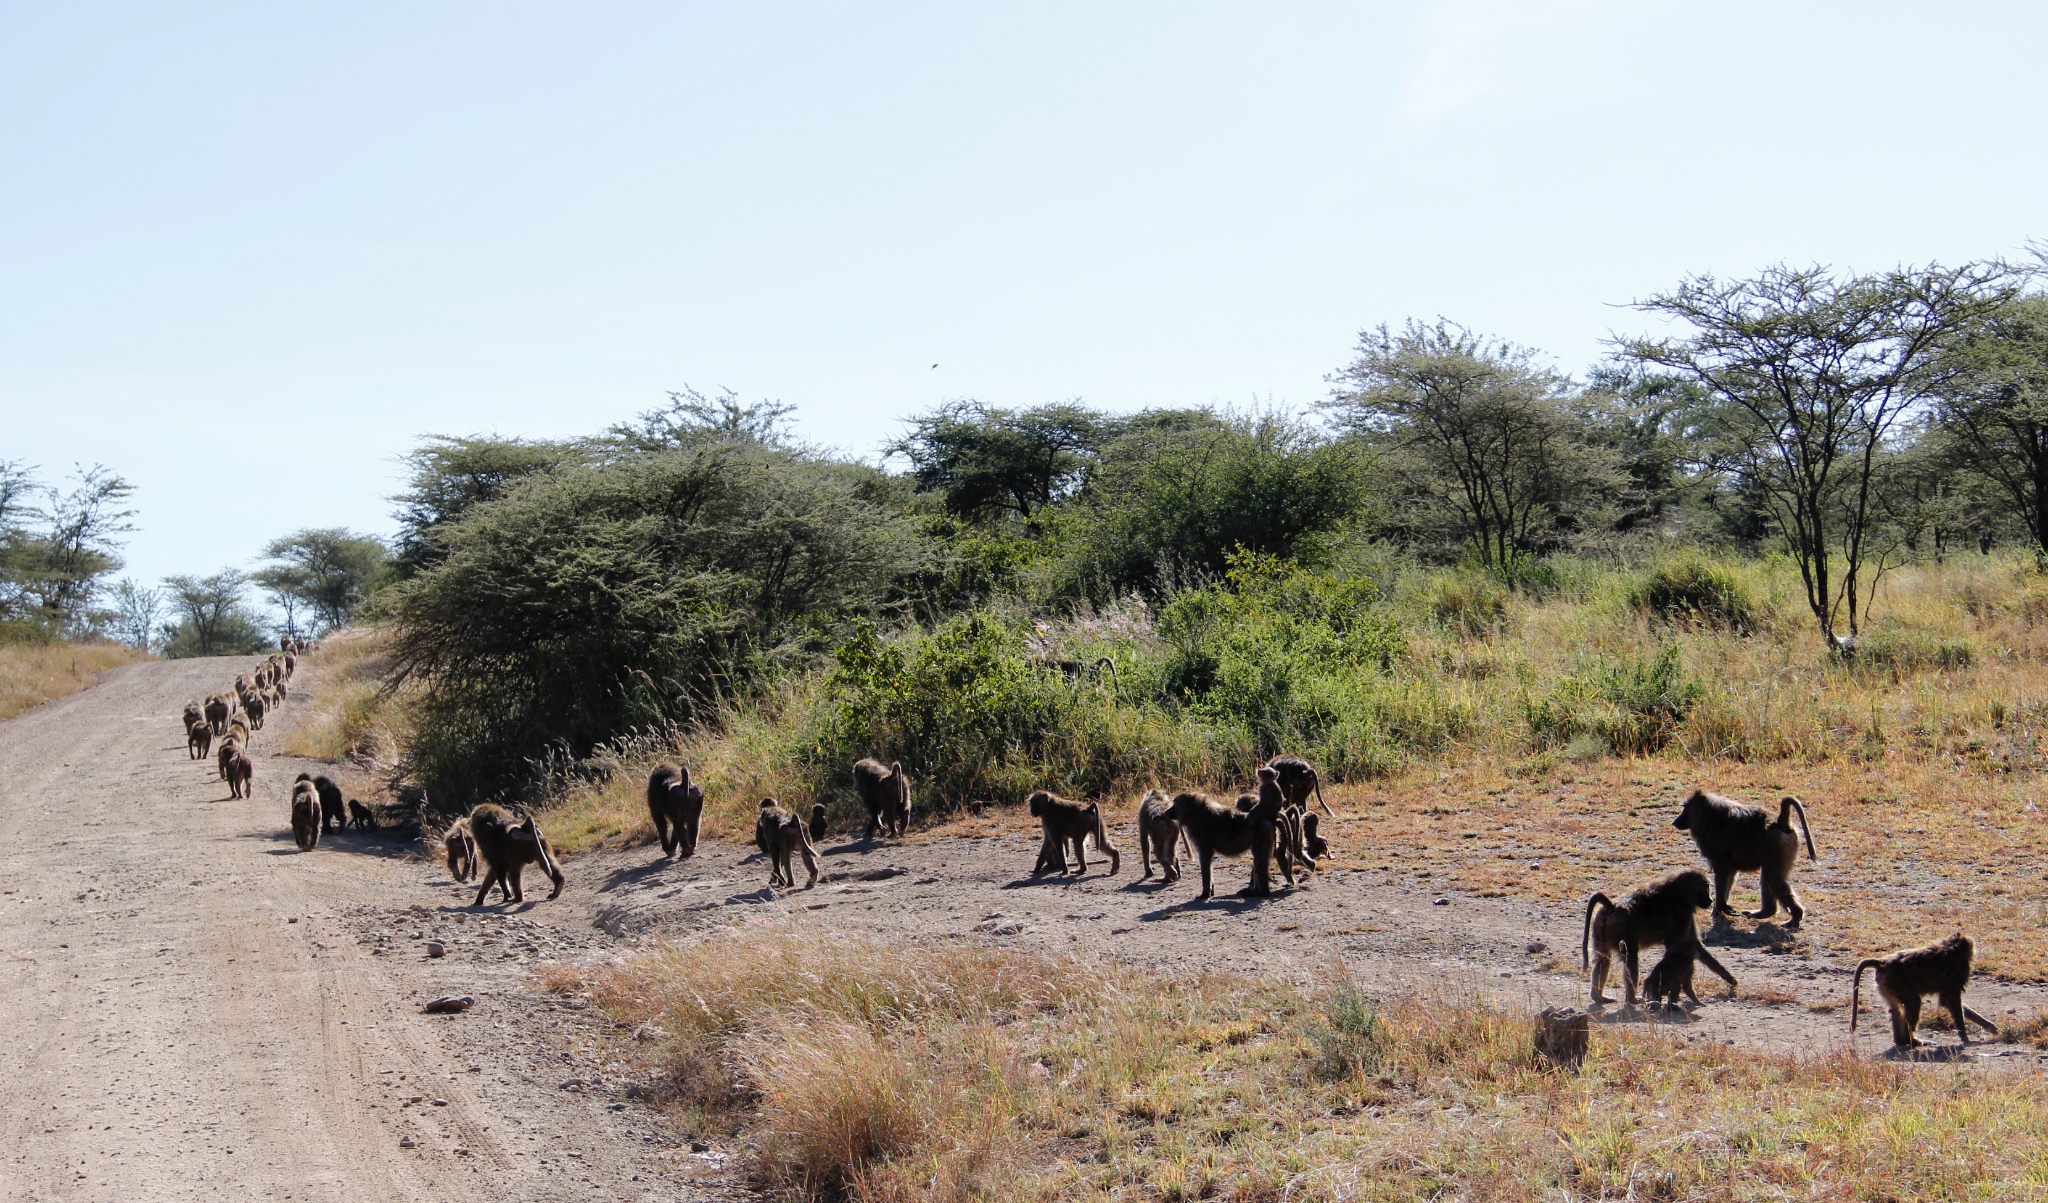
x=1669 y=977
x=885 y=792
x=818 y=822
x=277 y=688
x=1658 y=914
x=305 y=815
x=1062 y=822
x=1317 y=846
x=460 y=849
x=676 y=805
x=1298 y=780
x=257 y=708
x=238 y=769
x=332 y=809
x=781 y=835
x=506 y=846
x=198 y=740
x=1159 y=835
x=1909 y=975
x=1214 y=828
x=217 y=715
x=361 y=816
x=1741 y=839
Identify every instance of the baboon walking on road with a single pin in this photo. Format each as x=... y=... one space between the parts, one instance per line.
x=217 y=715
x=506 y=846
x=1214 y=828
x=781 y=835
x=1159 y=836
x=1062 y=823
x=676 y=806
x=1909 y=975
x=460 y=849
x=885 y=792
x=198 y=740
x=332 y=809
x=1658 y=914
x=236 y=768
x=361 y=817
x=1742 y=839
x=305 y=815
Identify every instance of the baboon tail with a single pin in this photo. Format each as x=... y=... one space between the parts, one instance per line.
x=1586 y=936
x=1988 y=1025
x=1856 y=990
x=1319 y=798
x=1184 y=845
x=1790 y=804
x=547 y=857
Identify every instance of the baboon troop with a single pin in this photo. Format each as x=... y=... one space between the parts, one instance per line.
x=780 y=835
x=885 y=792
x=305 y=815
x=676 y=805
x=1656 y=915
x=1906 y=977
x=1742 y=839
x=1159 y=836
x=505 y=846
x=1065 y=823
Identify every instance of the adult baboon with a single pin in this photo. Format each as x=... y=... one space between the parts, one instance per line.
x=460 y=849
x=1062 y=822
x=226 y=752
x=332 y=808
x=238 y=731
x=1741 y=839
x=1214 y=828
x=291 y=664
x=243 y=684
x=1658 y=914
x=885 y=792
x=818 y=822
x=1159 y=835
x=676 y=805
x=198 y=740
x=361 y=817
x=257 y=708
x=1909 y=975
x=1317 y=846
x=195 y=714
x=217 y=715
x=506 y=846
x=238 y=770
x=781 y=835
x=305 y=815
x=1298 y=780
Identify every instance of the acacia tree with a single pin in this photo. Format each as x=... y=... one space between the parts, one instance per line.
x=212 y=608
x=1994 y=406
x=329 y=570
x=1806 y=378
x=1474 y=430
x=989 y=461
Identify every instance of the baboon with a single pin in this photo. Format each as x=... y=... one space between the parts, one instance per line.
x=1741 y=839
x=277 y=688
x=361 y=816
x=198 y=740
x=1214 y=828
x=237 y=769
x=1074 y=670
x=257 y=708
x=1660 y=913
x=332 y=809
x=460 y=849
x=1159 y=835
x=305 y=815
x=229 y=748
x=781 y=835
x=195 y=714
x=1063 y=822
x=1274 y=807
x=1317 y=846
x=676 y=805
x=238 y=731
x=291 y=663
x=1670 y=976
x=1298 y=780
x=217 y=715
x=1907 y=976
x=818 y=822
x=506 y=846
x=886 y=794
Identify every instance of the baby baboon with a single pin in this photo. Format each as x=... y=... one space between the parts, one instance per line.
x=1298 y=780
x=818 y=822
x=1317 y=846
x=506 y=846
x=1741 y=839
x=886 y=794
x=1214 y=828
x=460 y=849
x=1063 y=822
x=217 y=715
x=1660 y=913
x=198 y=740
x=781 y=835
x=1159 y=835
x=362 y=817
x=1670 y=976
x=676 y=805
x=305 y=815
x=257 y=708
x=1907 y=976
x=332 y=809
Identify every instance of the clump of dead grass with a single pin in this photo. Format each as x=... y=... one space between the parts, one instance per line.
x=34 y=673
x=341 y=710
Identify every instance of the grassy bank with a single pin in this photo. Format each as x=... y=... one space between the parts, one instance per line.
x=34 y=673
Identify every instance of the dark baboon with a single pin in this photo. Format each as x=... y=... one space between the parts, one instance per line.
x=277 y=687
x=1298 y=780
x=460 y=849
x=217 y=715
x=1909 y=975
x=1317 y=846
x=676 y=806
x=240 y=773
x=332 y=808
x=1658 y=914
x=257 y=708
x=1741 y=839
x=195 y=714
x=506 y=846
x=361 y=816
x=305 y=815
x=1062 y=823
x=885 y=792
x=198 y=740
x=818 y=822
x=1214 y=828
x=1159 y=835
x=781 y=835
x=1669 y=977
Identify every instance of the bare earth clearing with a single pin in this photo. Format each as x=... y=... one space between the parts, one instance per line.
x=197 y=1010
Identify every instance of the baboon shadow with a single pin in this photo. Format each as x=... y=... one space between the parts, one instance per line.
x=1935 y=1054
x=1767 y=935
x=636 y=874
x=1149 y=884
x=1048 y=879
x=491 y=908
x=1229 y=904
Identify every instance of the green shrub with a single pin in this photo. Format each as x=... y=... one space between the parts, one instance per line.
x=1468 y=603
x=1905 y=650
x=1347 y=1034
x=1695 y=591
x=1634 y=705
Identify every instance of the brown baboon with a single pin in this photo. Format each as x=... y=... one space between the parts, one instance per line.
x=1062 y=823
x=229 y=748
x=195 y=714
x=305 y=815
x=1317 y=846
x=243 y=683
x=506 y=846
x=781 y=835
x=885 y=792
x=818 y=822
x=1669 y=977
x=676 y=806
x=198 y=740
x=1214 y=828
x=277 y=688
x=217 y=715
x=460 y=849
x=361 y=816
x=1909 y=975
x=1159 y=835
x=238 y=731
x=239 y=771
x=1298 y=780
x=257 y=708
x=1660 y=913
x=332 y=809
x=291 y=663
x=1741 y=839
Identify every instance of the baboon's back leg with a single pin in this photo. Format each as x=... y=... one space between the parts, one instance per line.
x=1600 y=964
x=810 y=866
x=1629 y=974
x=1952 y=1002
x=1791 y=903
x=1724 y=880
x=1767 y=904
x=492 y=878
x=1080 y=853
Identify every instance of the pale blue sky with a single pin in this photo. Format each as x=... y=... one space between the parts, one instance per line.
x=251 y=252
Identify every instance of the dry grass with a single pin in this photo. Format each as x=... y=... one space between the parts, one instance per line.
x=869 y=1071
x=340 y=713
x=34 y=673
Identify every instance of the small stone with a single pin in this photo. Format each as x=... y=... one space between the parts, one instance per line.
x=614 y=1106
x=408 y=1143
x=450 y=1004
x=440 y=1102
x=698 y=1146
x=1441 y=902
x=436 y=949
x=1535 y=946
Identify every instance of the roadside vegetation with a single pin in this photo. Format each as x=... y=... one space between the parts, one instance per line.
x=34 y=673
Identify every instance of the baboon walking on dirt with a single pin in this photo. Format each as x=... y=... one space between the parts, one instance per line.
x=1159 y=836
x=460 y=849
x=305 y=815
x=780 y=835
x=676 y=806
x=1658 y=914
x=1214 y=828
x=1298 y=780
x=1062 y=823
x=1742 y=839
x=1906 y=977
x=885 y=792
x=506 y=846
